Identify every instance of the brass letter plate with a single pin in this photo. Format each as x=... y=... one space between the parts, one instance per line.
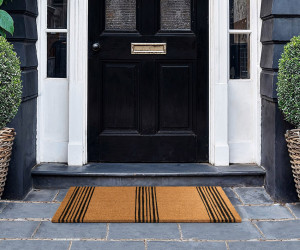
x=148 y=48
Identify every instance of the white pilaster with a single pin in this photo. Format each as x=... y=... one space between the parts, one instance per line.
x=78 y=39
x=219 y=58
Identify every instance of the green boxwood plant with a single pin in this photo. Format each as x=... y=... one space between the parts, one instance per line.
x=288 y=86
x=10 y=82
x=6 y=22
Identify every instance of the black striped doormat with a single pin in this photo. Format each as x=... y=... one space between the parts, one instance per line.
x=146 y=205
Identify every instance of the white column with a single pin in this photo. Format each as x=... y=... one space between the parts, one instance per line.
x=219 y=65
x=78 y=39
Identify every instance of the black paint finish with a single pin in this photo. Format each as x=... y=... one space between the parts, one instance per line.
x=148 y=108
x=19 y=180
x=281 y=21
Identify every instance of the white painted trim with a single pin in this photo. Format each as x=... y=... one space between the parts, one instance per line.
x=77 y=148
x=39 y=52
x=56 y=30
x=240 y=31
x=258 y=70
x=218 y=75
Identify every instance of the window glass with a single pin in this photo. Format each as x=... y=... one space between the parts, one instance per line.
x=175 y=14
x=120 y=15
x=57 y=14
x=57 y=55
x=239 y=14
x=239 y=56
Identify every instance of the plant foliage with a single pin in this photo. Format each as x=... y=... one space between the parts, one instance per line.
x=10 y=82
x=6 y=22
x=288 y=86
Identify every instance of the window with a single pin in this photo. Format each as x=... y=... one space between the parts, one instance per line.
x=240 y=34
x=120 y=15
x=57 y=30
x=175 y=14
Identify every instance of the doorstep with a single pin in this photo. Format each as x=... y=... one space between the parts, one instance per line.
x=51 y=175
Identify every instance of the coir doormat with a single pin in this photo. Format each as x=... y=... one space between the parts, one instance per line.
x=146 y=204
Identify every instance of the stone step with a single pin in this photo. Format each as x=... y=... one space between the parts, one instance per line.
x=52 y=175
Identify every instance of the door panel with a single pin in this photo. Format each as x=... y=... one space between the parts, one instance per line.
x=175 y=96
x=148 y=107
x=120 y=96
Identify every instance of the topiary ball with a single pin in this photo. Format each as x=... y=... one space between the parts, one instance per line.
x=10 y=83
x=288 y=85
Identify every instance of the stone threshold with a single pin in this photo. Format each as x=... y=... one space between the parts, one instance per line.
x=52 y=175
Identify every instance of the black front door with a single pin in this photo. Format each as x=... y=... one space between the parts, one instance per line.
x=148 y=81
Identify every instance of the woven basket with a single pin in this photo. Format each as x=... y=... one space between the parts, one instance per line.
x=293 y=142
x=7 y=136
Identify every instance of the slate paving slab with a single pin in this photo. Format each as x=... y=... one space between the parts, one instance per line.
x=61 y=194
x=34 y=245
x=49 y=230
x=253 y=196
x=280 y=229
x=220 y=231
x=2 y=206
x=274 y=212
x=28 y=210
x=143 y=231
x=41 y=195
x=265 y=245
x=114 y=245
x=232 y=196
x=295 y=209
x=152 y=245
x=17 y=229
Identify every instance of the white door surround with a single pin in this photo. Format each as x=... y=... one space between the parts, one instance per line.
x=234 y=105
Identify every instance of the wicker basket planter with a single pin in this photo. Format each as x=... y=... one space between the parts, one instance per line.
x=7 y=136
x=293 y=142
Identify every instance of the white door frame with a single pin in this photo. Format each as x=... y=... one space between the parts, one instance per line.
x=218 y=108
x=219 y=149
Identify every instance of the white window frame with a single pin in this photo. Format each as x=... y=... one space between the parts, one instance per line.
x=75 y=147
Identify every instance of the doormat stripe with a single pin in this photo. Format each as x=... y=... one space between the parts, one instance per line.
x=146 y=205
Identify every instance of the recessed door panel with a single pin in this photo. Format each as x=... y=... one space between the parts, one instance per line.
x=120 y=97
x=175 y=96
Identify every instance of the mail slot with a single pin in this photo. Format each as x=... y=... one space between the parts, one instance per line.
x=148 y=48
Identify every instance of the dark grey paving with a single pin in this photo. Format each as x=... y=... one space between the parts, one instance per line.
x=117 y=245
x=220 y=231
x=2 y=206
x=264 y=212
x=17 y=229
x=29 y=210
x=143 y=231
x=232 y=196
x=265 y=245
x=186 y=245
x=61 y=195
x=253 y=195
x=49 y=230
x=280 y=229
x=295 y=208
x=41 y=195
x=34 y=245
